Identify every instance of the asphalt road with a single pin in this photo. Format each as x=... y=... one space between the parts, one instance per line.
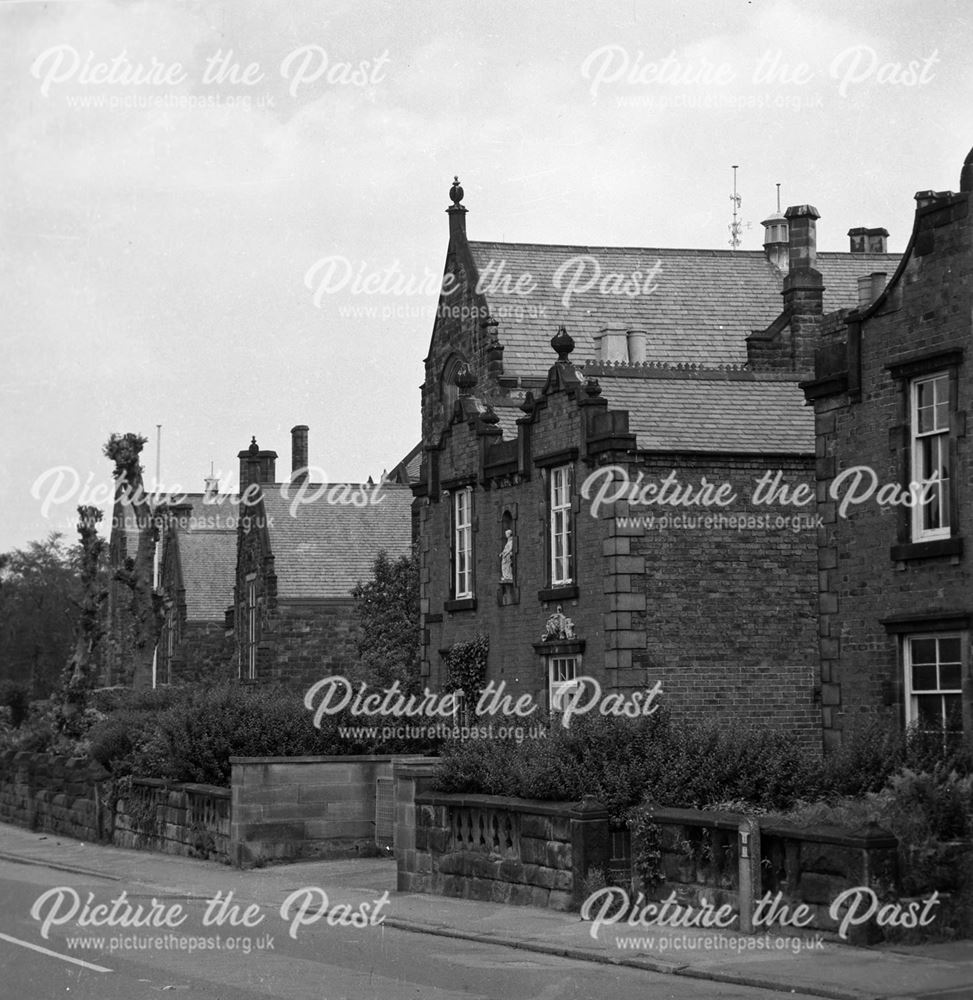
x=321 y=963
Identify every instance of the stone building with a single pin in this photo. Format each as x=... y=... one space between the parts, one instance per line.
x=301 y=549
x=198 y=541
x=257 y=586
x=891 y=391
x=678 y=367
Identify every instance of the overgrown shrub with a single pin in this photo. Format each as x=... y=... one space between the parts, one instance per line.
x=190 y=733
x=621 y=761
x=15 y=696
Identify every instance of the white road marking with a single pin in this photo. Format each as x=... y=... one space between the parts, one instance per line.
x=54 y=954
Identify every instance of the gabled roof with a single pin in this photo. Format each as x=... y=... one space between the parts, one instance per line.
x=323 y=549
x=406 y=471
x=207 y=547
x=208 y=562
x=703 y=306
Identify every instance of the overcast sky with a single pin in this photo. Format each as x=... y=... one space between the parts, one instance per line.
x=190 y=188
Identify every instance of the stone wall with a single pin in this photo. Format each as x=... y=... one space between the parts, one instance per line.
x=206 y=653
x=312 y=639
x=64 y=795
x=814 y=865
x=286 y=808
x=186 y=819
x=503 y=850
x=702 y=856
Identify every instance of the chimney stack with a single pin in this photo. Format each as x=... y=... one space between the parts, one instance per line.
x=802 y=240
x=299 y=469
x=803 y=287
x=257 y=466
x=868 y=240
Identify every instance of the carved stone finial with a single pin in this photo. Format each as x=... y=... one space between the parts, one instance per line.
x=456 y=192
x=592 y=388
x=562 y=343
x=465 y=379
x=254 y=447
x=528 y=404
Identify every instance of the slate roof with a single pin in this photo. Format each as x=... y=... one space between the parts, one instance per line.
x=714 y=414
x=704 y=305
x=207 y=554
x=406 y=471
x=208 y=560
x=324 y=549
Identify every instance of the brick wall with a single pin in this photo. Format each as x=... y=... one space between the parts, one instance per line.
x=723 y=616
x=862 y=420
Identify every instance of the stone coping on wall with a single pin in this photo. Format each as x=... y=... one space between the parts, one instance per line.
x=537 y=807
x=330 y=758
x=215 y=791
x=872 y=837
x=668 y=815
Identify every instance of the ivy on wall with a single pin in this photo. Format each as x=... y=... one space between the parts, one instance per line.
x=466 y=664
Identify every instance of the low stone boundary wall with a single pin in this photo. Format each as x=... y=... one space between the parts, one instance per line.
x=56 y=794
x=286 y=808
x=727 y=858
x=814 y=865
x=186 y=819
x=503 y=850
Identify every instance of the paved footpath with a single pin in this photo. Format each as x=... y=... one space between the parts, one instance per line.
x=775 y=961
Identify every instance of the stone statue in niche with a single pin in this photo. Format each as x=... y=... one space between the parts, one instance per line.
x=507 y=559
x=559 y=627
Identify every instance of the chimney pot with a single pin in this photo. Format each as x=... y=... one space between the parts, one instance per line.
x=611 y=344
x=636 y=346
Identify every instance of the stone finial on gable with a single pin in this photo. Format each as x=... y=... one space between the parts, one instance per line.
x=456 y=212
x=562 y=374
x=465 y=380
x=563 y=343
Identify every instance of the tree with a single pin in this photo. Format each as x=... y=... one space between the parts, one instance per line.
x=39 y=592
x=388 y=615
x=80 y=673
x=145 y=612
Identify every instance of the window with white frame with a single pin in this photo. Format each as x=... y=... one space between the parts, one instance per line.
x=250 y=667
x=561 y=527
x=934 y=682
x=929 y=429
x=463 y=543
x=562 y=680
